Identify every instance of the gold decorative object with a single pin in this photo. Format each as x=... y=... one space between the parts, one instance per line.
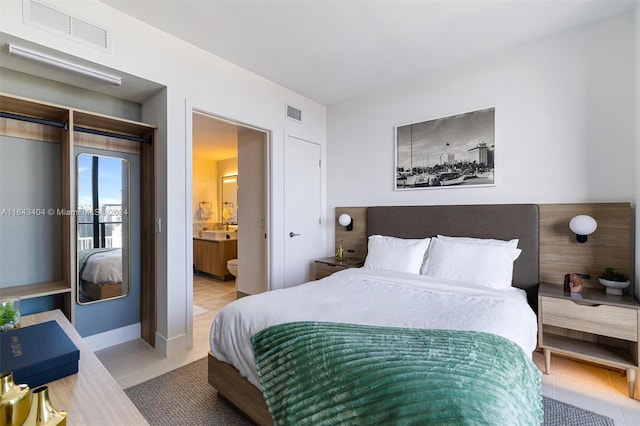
x=340 y=252
x=42 y=412
x=14 y=401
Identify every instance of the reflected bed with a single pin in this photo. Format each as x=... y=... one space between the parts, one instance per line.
x=100 y=273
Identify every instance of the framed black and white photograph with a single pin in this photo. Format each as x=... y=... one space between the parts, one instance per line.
x=448 y=152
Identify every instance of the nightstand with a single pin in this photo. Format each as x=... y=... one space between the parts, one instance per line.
x=590 y=326
x=328 y=265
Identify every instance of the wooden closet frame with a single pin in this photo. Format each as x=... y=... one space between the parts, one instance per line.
x=69 y=127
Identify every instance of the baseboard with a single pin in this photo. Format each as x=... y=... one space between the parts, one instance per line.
x=168 y=347
x=114 y=337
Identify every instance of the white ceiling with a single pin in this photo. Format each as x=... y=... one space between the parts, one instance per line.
x=334 y=50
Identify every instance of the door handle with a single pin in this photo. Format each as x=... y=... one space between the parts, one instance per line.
x=291 y=234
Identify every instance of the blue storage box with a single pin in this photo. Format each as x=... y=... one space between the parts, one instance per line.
x=38 y=354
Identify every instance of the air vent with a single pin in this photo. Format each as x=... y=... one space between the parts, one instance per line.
x=41 y=15
x=294 y=113
x=90 y=33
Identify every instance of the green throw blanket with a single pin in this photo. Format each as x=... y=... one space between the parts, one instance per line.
x=316 y=373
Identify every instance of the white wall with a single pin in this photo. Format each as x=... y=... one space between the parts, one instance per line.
x=564 y=124
x=194 y=79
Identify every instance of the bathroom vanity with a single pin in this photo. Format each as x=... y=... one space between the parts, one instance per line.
x=211 y=256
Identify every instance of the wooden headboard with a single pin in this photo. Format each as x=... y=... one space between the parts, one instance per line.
x=610 y=246
x=499 y=221
x=549 y=248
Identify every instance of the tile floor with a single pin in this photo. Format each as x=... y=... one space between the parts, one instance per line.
x=584 y=385
x=591 y=387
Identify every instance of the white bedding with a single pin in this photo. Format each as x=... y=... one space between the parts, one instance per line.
x=374 y=297
x=104 y=267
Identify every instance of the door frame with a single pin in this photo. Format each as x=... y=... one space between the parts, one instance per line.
x=189 y=110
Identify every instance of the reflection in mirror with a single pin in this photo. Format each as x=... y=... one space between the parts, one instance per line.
x=230 y=200
x=102 y=227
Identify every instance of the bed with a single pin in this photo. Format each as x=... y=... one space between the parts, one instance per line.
x=100 y=273
x=386 y=302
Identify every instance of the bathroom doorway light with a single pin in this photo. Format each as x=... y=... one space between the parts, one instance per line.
x=63 y=64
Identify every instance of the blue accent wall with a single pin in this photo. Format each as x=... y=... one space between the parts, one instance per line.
x=40 y=304
x=30 y=235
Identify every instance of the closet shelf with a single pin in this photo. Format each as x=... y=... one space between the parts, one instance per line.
x=35 y=290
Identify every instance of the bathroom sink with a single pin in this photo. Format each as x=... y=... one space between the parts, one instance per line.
x=220 y=235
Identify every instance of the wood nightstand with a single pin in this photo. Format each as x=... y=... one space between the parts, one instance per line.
x=590 y=326
x=328 y=265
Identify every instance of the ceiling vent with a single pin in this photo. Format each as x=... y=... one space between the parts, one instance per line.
x=41 y=15
x=294 y=113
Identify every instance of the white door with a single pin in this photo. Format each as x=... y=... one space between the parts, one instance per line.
x=303 y=239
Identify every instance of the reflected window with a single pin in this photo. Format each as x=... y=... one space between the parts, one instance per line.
x=100 y=210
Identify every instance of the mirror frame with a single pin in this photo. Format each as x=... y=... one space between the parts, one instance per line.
x=126 y=241
x=235 y=206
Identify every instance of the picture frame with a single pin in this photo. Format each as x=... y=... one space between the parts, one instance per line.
x=456 y=151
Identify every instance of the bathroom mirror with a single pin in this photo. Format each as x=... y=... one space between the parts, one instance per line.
x=102 y=203
x=229 y=206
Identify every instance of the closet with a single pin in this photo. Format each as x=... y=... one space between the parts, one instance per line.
x=38 y=229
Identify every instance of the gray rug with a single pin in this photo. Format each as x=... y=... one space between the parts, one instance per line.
x=184 y=397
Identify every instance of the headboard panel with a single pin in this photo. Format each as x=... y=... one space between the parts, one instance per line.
x=499 y=221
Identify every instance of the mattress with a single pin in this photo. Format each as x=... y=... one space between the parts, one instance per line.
x=103 y=266
x=373 y=297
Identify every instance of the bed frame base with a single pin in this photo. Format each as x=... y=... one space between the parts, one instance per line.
x=101 y=291
x=238 y=391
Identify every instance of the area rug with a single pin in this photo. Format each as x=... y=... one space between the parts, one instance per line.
x=199 y=310
x=184 y=397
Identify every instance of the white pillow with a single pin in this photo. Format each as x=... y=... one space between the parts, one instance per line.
x=486 y=265
x=396 y=254
x=469 y=240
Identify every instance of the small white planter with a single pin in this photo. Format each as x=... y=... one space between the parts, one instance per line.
x=614 y=287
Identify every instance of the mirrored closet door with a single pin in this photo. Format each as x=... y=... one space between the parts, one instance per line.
x=102 y=223
x=108 y=249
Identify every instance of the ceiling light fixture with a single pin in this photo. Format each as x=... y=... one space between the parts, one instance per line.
x=63 y=64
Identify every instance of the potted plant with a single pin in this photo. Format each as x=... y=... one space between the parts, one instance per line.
x=614 y=281
x=9 y=314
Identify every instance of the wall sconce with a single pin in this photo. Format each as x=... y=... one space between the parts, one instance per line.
x=347 y=221
x=583 y=225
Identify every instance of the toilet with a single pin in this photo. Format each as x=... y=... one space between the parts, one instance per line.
x=232 y=266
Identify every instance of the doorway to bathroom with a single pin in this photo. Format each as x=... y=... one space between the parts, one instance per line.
x=229 y=214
